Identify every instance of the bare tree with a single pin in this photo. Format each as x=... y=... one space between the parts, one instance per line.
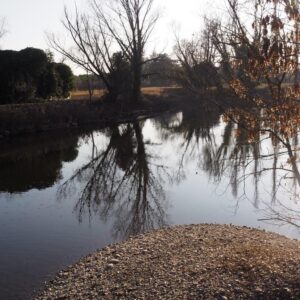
x=2 y=27
x=188 y=55
x=130 y=24
x=113 y=26
x=91 y=48
x=198 y=59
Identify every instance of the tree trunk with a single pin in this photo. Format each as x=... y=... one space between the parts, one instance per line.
x=136 y=84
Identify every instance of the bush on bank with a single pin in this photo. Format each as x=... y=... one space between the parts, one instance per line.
x=32 y=74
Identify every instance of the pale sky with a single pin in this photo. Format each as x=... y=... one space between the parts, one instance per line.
x=27 y=21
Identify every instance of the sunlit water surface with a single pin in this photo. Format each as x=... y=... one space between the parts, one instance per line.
x=65 y=195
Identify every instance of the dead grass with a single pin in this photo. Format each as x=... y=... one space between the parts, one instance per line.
x=84 y=95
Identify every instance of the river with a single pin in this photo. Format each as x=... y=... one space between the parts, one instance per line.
x=66 y=194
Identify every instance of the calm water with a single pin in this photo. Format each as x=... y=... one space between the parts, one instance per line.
x=65 y=195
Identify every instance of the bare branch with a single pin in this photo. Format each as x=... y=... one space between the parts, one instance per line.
x=2 y=27
x=121 y=26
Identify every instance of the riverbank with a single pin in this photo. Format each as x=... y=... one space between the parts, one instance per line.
x=24 y=119
x=187 y=262
x=31 y=118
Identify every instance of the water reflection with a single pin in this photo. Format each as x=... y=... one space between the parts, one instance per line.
x=35 y=162
x=246 y=158
x=127 y=178
x=190 y=167
x=124 y=180
x=192 y=126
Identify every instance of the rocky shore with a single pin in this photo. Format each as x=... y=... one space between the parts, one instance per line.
x=186 y=262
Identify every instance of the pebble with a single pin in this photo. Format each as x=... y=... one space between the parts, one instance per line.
x=109 y=266
x=114 y=261
x=176 y=268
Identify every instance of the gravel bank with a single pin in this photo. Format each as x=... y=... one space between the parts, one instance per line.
x=187 y=262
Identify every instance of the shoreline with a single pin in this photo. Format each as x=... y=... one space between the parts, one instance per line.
x=33 y=118
x=203 y=261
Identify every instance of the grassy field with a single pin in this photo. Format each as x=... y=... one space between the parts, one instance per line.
x=81 y=95
x=84 y=95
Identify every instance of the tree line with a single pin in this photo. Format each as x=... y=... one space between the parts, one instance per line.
x=32 y=74
x=159 y=72
x=109 y=43
x=110 y=39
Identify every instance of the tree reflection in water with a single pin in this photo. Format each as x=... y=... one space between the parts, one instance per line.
x=123 y=180
x=35 y=162
x=192 y=126
x=242 y=158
